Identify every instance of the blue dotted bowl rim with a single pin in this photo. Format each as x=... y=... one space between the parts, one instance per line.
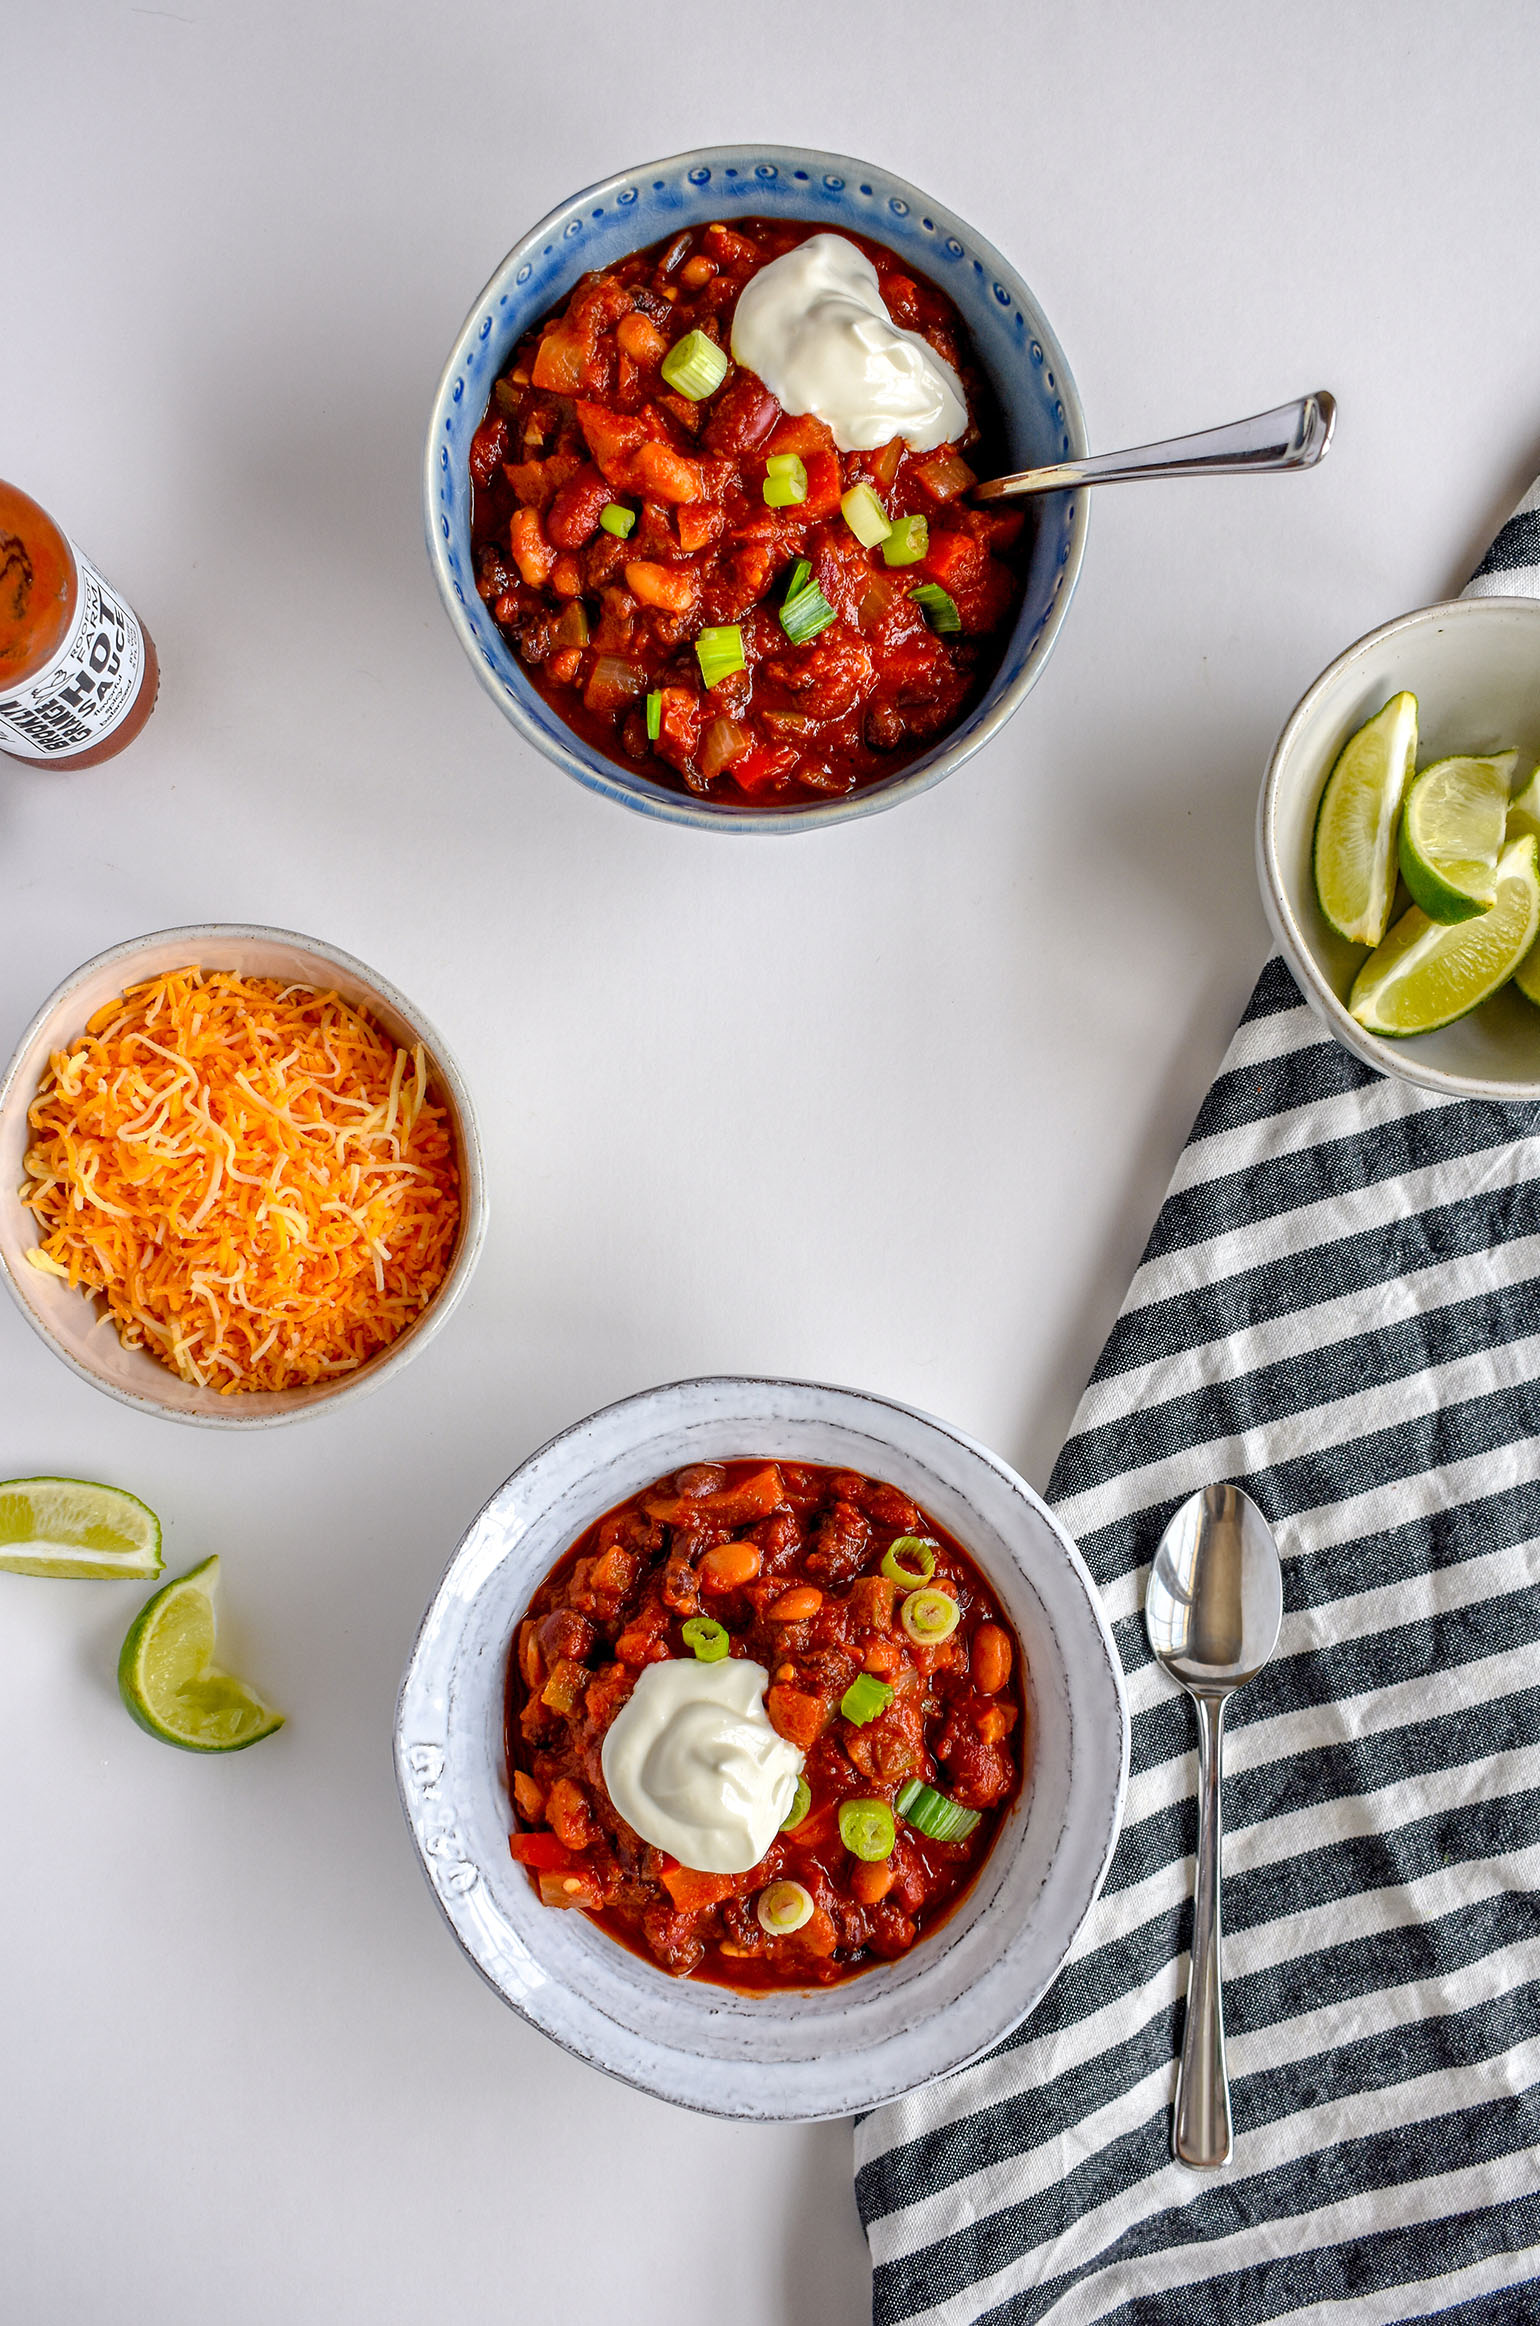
x=752 y=169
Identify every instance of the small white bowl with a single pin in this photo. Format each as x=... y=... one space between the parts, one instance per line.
x=809 y=2052
x=1474 y=666
x=76 y=1326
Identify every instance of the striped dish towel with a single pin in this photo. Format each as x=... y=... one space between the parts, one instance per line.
x=1339 y=1308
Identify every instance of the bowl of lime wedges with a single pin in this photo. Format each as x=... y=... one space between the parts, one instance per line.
x=1398 y=848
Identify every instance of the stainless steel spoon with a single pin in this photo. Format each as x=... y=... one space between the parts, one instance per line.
x=1212 y=1609
x=1293 y=436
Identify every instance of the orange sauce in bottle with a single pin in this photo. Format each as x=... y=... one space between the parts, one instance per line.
x=55 y=609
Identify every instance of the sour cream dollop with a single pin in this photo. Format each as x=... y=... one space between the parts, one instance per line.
x=813 y=325
x=692 y=1762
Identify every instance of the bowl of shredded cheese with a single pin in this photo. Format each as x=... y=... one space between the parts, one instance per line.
x=240 y=1176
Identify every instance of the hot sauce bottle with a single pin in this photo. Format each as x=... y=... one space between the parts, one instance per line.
x=78 y=674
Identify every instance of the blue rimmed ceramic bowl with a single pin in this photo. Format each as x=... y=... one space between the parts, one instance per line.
x=1012 y=341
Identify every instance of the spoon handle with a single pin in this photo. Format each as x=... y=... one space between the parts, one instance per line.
x=1291 y=436
x=1201 y=2128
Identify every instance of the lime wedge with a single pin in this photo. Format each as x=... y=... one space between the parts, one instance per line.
x=1452 y=829
x=170 y=1682
x=1355 y=825
x=1524 y=809
x=68 y=1526
x=1429 y=972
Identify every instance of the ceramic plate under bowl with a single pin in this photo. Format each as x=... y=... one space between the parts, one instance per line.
x=1474 y=666
x=76 y=1326
x=813 y=2051
x=1012 y=340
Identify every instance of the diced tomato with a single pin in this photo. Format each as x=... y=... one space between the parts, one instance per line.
x=825 y=484
x=795 y=1715
x=699 y=522
x=763 y=766
x=691 y=1892
x=800 y=432
x=611 y=437
x=541 y=1851
x=954 y=560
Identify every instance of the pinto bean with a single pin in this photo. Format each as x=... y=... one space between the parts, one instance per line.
x=796 y=1605
x=729 y=1566
x=991 y=1659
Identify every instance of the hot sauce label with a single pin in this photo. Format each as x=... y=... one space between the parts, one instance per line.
x=91 y=684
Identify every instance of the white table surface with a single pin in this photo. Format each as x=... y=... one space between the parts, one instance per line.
x=893 y=1106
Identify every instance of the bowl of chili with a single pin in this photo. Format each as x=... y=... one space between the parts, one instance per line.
x=290 y=1140
x=674 y=672
x=723 y=2030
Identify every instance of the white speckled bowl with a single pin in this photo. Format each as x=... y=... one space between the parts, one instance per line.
x=77 y=1327
x=812 y=2052
x=1474 y=666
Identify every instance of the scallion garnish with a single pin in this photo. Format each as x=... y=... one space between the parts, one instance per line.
x=865 y=515
x=654 y=715
x=929 y=1617
x=801 y=575
x=909 y=1559
x=719 y=652
x=785 y=481
x=783 y=1908
x=617 y=520
x=932 y=1814
x=707 y=1641
x=801 y=1803
x=938 y=606
x=695 y=366
x=865 y=1698
x=803 y=616
x=867 y=1829
x=907 y=543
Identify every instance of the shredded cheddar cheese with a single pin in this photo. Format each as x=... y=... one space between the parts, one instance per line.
x=251 y=1174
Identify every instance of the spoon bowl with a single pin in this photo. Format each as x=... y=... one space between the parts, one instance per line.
x=1212 y=1608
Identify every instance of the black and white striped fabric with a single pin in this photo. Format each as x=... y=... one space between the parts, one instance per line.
x=1339 y=1308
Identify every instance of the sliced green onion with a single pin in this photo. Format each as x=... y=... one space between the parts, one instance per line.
x=619 y=521
x=720 y=652
x=801 y=575
x=907 y=543
x=801 y=1803
x=909 y=1559
x=785 y=481
x=803 y=616
x=932 y=1814
x=783 y=1908
x=865 y=1698
x=654 y=715
x=865 y=515
x=929 y=1617
x=695 y=366
x=706 y=1640
x=938 y=606
x=867 y=1829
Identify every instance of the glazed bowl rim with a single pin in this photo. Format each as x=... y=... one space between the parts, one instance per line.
x=681 y=1403
x=604 y=776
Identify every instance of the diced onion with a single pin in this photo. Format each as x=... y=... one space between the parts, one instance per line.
x=865 y=515
x=783 y=1908
x=695 y=366
x=572 y=626
x=723 y=742
x=946 y=476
